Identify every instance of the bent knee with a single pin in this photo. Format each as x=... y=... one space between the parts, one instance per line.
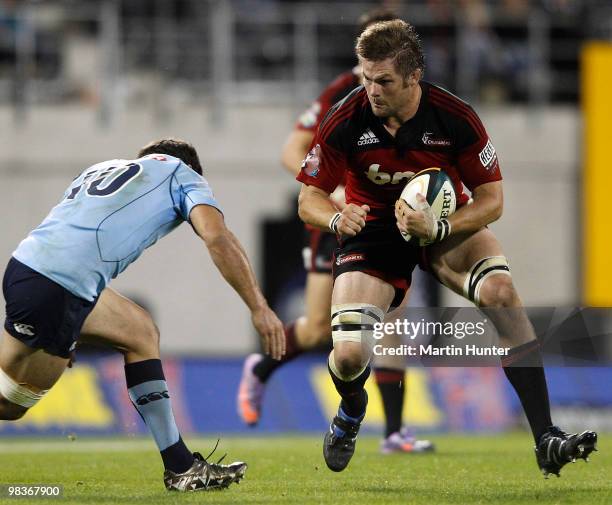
x=499 y=292
x=348 y=362
x=145 y=339
x=153 y=334
x=11 y=411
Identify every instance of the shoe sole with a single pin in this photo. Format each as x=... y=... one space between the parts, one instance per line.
x=248 y=416
x=431 y=448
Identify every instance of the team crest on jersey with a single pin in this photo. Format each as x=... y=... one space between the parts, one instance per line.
x=488 y=156
x=310 y=165
x=429 y=140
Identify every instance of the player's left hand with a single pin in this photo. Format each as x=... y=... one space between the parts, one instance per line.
x=419 y=222
x=271 y=331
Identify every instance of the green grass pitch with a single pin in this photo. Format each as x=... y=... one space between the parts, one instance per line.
x=290 y=470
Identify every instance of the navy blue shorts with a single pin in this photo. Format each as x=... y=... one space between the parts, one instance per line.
x=40 y=312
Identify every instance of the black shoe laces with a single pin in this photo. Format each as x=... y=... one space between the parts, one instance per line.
x=557 y=432
x=216 y=465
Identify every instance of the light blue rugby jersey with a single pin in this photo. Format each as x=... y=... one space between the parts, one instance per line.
x=109 y=215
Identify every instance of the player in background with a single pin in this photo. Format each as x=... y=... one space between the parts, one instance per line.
x=55 y=287
x=418 y=125
x=314 y=328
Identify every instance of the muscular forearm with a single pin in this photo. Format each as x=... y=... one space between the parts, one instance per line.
x=232 y=262
x=316 y=209
x=483 y=211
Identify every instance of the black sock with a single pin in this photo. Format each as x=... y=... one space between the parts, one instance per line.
x=264 y=369
x=523 y=367
x=148 y=391
x=354 y=396
x=391 y=385
x=177 y=457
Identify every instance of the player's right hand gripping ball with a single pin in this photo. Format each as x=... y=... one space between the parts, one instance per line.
x=439 y=192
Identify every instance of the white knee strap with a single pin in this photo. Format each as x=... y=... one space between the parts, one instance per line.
x=480 y=271
x=354 y=322
x=18 y=393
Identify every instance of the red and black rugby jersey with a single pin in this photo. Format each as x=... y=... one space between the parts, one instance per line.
x=340 y=87
x=351 y=141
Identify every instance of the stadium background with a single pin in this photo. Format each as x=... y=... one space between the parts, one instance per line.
x=83 y=81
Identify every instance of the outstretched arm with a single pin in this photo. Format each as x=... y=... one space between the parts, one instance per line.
x=231 y=260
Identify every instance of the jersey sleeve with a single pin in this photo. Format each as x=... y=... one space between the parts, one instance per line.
x=324 y=166
x=477 y=161
x=190 y=189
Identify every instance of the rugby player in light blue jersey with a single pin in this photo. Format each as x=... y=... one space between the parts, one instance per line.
x=56 y=291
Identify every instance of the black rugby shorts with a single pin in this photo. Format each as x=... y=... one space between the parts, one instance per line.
x=318 y=251
x=379 y=250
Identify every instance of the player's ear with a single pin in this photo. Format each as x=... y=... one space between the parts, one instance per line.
x=413 y=78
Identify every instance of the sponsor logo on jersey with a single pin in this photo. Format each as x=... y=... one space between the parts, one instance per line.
x=380 y=178
x=487 y=156
x=367 y=137
x=310 y=165
x=429 y=141
x=24 y=329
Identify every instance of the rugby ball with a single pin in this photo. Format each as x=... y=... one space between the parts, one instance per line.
x=437 y=188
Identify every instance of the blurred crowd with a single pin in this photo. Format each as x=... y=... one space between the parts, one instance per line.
x=487 y=50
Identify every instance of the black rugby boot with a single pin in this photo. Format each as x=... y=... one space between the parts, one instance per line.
x=556 y=448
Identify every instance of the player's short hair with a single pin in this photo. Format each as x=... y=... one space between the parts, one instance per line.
x=174 y=147
x=374 y=16
x=394 y=39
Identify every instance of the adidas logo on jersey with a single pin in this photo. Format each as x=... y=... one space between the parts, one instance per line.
x=367 y=137
x=24 y=329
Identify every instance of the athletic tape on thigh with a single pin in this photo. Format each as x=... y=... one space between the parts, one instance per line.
x=18 y=393
x=352 y=322
x=480 y=271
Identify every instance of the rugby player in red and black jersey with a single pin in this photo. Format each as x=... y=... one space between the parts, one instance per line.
x=314 y=328
x=376 y=139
